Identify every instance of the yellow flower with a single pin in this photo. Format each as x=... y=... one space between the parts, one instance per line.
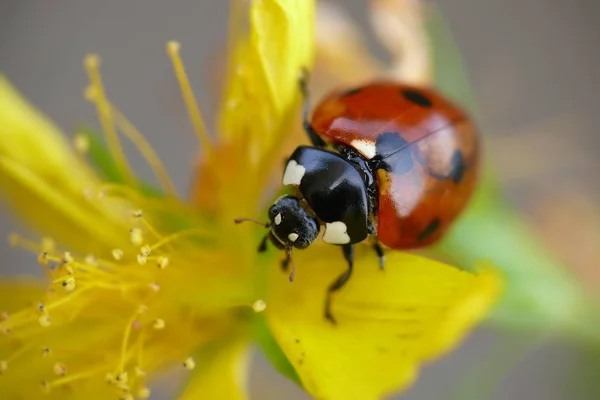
x=139 y=280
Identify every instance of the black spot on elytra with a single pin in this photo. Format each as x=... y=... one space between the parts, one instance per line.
x=429 y=229
x=389 y=142
x=352 y=91
x=389 y=152
x=456 y=170
x=457 y=166
x=416 y=97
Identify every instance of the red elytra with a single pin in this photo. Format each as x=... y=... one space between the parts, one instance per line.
x=427 y=148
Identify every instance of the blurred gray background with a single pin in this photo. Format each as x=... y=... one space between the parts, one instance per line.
x=534 y=67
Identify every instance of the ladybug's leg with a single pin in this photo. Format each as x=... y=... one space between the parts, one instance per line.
x=380 y=255
x=262 y=247
x=341 y=280
x=314 y=138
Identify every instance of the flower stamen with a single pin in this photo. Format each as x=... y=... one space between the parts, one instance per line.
x=92 y=66
x=147 y=151
x=188 y=96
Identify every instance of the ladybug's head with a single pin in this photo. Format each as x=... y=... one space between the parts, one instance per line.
x=291 y=225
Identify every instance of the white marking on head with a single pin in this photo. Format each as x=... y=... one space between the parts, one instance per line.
x=293 y=237
x=293 y=173
x=336 y=233
x=277 y=219
x=366 y=147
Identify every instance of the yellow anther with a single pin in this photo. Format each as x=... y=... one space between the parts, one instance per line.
x=69 y=284
x=143 y=393
x=189 y=363
x=59 y=369
x=45 y=386
x=109 y=378
x=135 y=236
x=121 y=381
x=43 y=258
x=126 y=396
x=139 y=372
x=69 y=270
x=48 y=244
x=158 y=323
x=259 y=306
x=117 y=254
x=3 y=367
x=162 y=262
x=89 y=93
x=81 y=143
x=41 y=307
x=13 y=239
x=137 y=213
x=46 y=352
x=146 y=250
x=88 y=193
x=44 y=320
x=67 y=258
x=142 y=308
x=90 y=260
x=155 y=287
x=142 y=259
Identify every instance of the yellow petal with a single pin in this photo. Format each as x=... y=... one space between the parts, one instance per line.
x=221 y=372
x=388 y=322
x=43 y=180
x=33 y=141
x=262 y=84
x=260 y=102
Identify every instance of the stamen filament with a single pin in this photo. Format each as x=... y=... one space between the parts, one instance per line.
x=75 y=377
x=150 y=228
x=65 y=299
x=92 y=63
x=147 y=151
x=189 y=98
x=17 y=353
x=140 y=349
x=125 y=340
x=178 y=235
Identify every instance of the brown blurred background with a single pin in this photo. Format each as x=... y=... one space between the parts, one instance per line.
x=533 y=64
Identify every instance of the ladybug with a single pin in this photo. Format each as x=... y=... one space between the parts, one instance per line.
x=389 y=162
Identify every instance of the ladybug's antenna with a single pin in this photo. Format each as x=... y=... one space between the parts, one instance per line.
x=240 y=220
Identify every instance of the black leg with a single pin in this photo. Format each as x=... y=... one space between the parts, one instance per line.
x=262 y=247
x=380 y=255
x=314 y=138
x=339 y=283
x=285 y=263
